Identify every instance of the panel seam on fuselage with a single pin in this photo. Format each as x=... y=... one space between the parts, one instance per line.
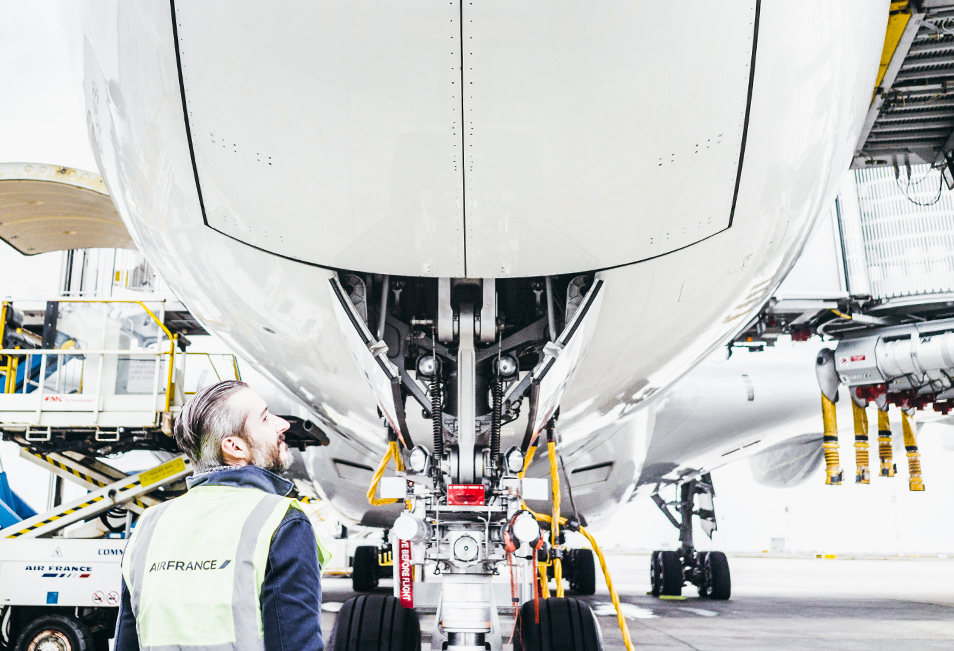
x=748 y=108
x=745 y=128
x=185 y=112
x=463 y=145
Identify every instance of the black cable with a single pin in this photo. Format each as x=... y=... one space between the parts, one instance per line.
x=906 y=190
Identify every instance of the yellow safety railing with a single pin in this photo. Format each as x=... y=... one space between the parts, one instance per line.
x=11 y=358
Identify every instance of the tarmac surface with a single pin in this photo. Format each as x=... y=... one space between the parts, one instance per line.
x=777 y=603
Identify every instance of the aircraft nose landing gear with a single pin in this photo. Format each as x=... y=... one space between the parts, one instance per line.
x=708 y=571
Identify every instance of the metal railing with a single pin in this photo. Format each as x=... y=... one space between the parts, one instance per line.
x=75 y=378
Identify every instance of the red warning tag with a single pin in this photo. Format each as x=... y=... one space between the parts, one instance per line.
x=405 y=574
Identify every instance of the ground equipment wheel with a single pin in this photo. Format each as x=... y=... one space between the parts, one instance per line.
x=54 y=633
x=718 y=579
x=565 y=625
x=671 y=571
x=375 y=623
x=364 y=571
x=655 y=574
x=583 y=575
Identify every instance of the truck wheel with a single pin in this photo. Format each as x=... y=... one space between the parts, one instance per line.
x=54 y=633
x=583 y=578
x=364 y=571
x=565 y=625
x=375 y=623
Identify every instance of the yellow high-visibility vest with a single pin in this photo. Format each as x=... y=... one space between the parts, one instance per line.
x=195 y=565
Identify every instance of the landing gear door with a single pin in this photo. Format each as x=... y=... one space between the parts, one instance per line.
x=371 y=355
x=560 y=358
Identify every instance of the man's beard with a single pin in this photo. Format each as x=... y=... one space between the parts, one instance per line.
x=275 y=458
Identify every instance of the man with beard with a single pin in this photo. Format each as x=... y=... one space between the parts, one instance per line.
x=233 y=563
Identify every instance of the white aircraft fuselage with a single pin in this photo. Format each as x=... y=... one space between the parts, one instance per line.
x=678 y=154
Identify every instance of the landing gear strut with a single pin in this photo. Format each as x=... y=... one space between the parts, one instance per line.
x=708 y=571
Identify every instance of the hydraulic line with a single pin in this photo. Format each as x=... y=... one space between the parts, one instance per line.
x=833 y=473
x=561 y=520
x=606 y=575
x=542 y=579
x=914 y=457
x=863 y=472
x=555 y=544
x=884 y=443
x=532 y=450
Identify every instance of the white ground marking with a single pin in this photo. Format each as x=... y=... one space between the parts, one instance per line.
x=630 y=611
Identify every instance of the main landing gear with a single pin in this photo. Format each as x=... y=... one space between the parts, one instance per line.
x=708 y=571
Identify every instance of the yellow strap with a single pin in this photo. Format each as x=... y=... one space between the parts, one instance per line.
x=392 y=453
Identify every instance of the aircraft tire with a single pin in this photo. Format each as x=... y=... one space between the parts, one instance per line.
x=671 y=574
x=565 y=625
x=364 y=571
x=701 y=572
x=55 y=631
x=718 y=578
x=375 y=623
x=655 y=578
x=583 y=577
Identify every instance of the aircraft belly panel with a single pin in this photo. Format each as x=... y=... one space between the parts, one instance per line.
x=658 y=317
x=329 y=132
x=602 y=135
x=664 y=315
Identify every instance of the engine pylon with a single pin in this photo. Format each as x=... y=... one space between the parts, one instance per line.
x=915 y=483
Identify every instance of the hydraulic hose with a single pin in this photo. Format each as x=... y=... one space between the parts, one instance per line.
x=528 y=460
x=833 y=473
x=884 y=443
x=621 y=620
x=558 y=520
x=863 y=472
x=915 y=483
x=555 y=544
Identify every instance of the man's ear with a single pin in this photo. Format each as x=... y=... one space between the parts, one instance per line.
x=235 y=451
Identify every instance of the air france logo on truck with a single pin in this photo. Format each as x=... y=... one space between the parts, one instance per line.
x=189 y=566
x=61 y=571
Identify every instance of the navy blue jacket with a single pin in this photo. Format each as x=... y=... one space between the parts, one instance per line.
x=291 y=591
